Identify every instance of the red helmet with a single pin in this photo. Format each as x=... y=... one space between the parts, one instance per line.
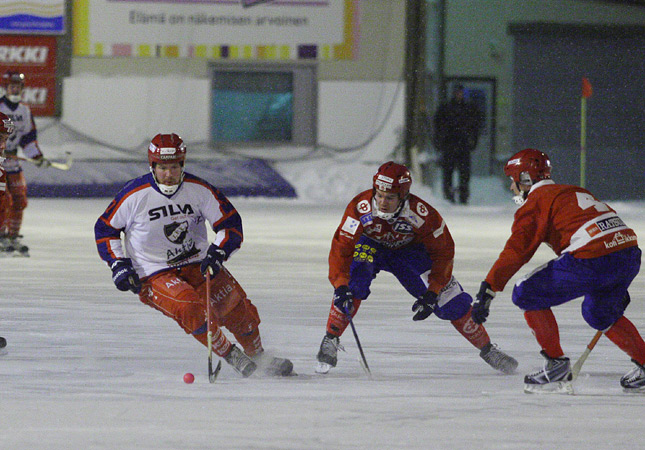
x=393 y=177
x=528 y=166
x=165 y=148
x=6 y=124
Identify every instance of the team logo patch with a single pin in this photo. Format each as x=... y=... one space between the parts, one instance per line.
x=176 y=232
x=422 y=210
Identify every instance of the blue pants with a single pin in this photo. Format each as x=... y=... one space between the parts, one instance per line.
x=602 y=281
x=411 y=266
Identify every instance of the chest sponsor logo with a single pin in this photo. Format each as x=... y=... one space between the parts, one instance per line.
x=402 y=227
x=169 y=211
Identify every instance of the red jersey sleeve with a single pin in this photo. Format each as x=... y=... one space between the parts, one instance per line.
x=527 y=233
x=437 y=240
x=342 y=244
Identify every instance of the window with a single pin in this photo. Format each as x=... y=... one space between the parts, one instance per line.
x=263 y=104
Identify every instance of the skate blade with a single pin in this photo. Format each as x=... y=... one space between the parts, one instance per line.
x=557 y=387
x=323 y=368
x=634 y=391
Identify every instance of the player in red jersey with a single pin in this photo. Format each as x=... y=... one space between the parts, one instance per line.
x=598 y=257
x=387 y=228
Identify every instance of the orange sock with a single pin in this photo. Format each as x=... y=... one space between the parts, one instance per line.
x=251 y=342
x=545 y=329
x=624 y=334
x=221 y=344
x=474 y=333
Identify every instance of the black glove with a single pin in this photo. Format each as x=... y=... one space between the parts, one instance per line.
x=343 y=299
x=124 y=276
x=42 y=162
x=215 y=256
x=481 y=305
x=424 y=305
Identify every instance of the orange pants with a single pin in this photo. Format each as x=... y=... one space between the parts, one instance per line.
x=13 y=204
x=180 y=294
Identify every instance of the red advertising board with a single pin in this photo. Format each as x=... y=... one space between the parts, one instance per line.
x=35 y=56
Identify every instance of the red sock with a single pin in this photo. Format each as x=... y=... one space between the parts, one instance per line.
x=624 y=334
x=545 y=330
x=474 y=333
x=338 y=321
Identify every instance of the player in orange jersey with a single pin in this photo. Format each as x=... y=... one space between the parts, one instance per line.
x=598 y=257
x=386 y=228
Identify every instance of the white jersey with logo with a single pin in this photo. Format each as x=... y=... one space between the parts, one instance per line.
x=25 y=136
x=162 y=232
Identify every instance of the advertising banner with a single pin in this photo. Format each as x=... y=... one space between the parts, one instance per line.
x=32 y=16
x=216 y=29
x=35 y=56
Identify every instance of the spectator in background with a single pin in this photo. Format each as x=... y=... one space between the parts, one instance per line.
x=457 y=124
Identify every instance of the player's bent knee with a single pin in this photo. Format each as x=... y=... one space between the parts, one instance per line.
x=455 y=308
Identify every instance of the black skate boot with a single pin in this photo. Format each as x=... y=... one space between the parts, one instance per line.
x=555 y=377
x=497 y=359
x=634 y=380
x=15 y=247
x=328 y=353
x=240 y=362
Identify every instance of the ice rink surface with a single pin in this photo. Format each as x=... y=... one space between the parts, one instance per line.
x=90 y=367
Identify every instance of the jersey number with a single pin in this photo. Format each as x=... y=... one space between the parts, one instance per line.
x=587 y=201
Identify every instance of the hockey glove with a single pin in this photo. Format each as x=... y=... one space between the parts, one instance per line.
x=424 y=306
x=124 y=276
x=213 y=261
x=481 y=305
x=343 y=299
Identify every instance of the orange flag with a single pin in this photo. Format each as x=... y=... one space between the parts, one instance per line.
x=586 y=88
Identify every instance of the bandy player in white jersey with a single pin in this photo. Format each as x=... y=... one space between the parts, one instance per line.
x=165 y=253
x=25 y=137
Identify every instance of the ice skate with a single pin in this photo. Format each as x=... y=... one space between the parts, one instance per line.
x=497 y=359
x=15 y=247
x=634 y=380
x=328 y=353
x=273 y=366
x=554 y=378
x=240 y=362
